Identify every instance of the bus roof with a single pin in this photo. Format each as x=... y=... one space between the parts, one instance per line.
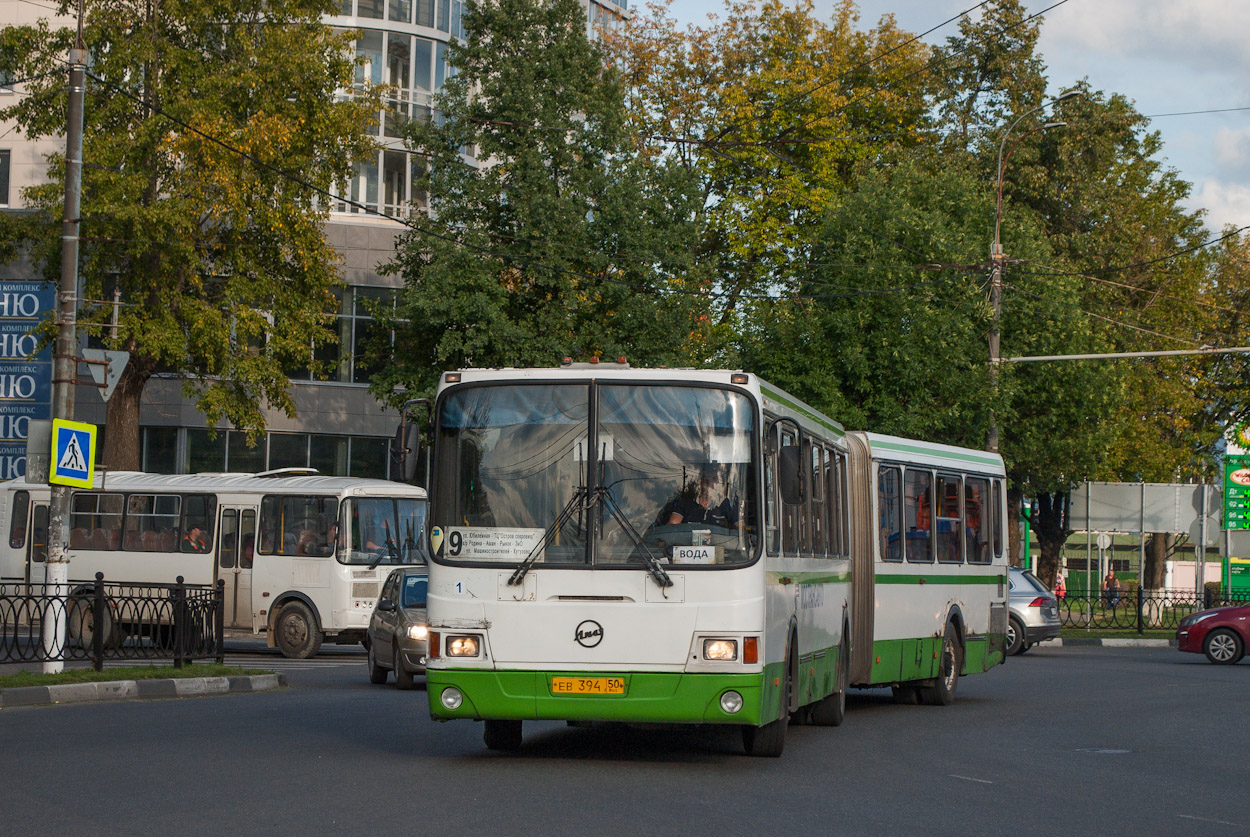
x=932 y=453
x=244 y=483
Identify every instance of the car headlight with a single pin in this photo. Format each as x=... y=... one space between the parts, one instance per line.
x=721 y=650
x=418 y=631
x=462 y=646
x=1189 y=621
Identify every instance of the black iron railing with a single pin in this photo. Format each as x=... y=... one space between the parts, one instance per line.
x=111 y=620
x=1137 y=609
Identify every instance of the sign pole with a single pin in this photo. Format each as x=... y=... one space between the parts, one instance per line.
x=66 y=360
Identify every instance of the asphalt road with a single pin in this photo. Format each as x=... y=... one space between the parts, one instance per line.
x=1059 y=741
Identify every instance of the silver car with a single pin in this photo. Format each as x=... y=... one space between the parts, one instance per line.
x=1034 y=614
x=398 y=628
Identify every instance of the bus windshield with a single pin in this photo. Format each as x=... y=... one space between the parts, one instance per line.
x=666 y=471
x=381 y=530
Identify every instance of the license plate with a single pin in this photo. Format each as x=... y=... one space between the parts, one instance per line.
x=588 y=685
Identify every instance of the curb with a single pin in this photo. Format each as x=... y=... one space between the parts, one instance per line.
x=139 y=690
x=1115 y=643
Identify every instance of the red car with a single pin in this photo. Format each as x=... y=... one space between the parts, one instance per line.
x=1222 y=634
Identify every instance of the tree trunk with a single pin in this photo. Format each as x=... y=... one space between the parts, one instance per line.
x=1015 y=538
x=1156 y=560
x=121 y=450
x=1050 y=524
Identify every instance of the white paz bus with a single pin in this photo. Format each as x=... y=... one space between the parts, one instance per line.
x=686 y=546
x=302 y=557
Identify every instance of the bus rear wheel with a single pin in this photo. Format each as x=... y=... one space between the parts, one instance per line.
x=942 y=691
x=296 y=631
x=502 y=735
x=830 y=711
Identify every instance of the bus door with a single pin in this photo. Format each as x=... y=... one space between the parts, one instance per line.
x=236 y=544
x=37 y=545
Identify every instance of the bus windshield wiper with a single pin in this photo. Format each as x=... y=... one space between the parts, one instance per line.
x=566 y=514
x=653 y=563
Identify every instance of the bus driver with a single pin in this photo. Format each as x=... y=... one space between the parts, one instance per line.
x=699 y=508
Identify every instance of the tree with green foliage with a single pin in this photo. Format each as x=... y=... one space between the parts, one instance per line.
x=212 y=132
x=770 y=109
x=552 y=233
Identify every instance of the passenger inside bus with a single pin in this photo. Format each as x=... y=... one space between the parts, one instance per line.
x=193 y=540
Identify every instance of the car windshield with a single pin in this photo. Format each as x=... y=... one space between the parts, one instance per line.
x=382 y=530
x=665 y=473
x=413 y=594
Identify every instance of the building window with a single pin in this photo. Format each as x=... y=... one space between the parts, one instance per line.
x=370 y=8
x=160 y=450
x=4 y=176
x=348 y=361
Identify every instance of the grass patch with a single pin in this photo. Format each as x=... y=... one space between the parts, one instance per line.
x=1117 y=633
x=90 y=675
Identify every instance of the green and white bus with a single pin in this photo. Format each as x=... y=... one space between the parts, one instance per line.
x=691 y=546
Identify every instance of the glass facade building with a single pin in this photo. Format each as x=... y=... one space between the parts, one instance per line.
x=340 y=428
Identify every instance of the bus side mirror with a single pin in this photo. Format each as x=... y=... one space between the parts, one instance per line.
x=790 y=458
x=406 y=450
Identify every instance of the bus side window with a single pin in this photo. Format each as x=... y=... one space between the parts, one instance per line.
x=888 y=497
x=819 y=519
x=949 y=520
x=977 y=519
x=791 y=516
x=996 y=523
x=918 y=508
x=198 y=512
x=17 y=524
x=39 y=537
x=772 y=528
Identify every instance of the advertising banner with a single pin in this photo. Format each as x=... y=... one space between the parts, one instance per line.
x=25 y=377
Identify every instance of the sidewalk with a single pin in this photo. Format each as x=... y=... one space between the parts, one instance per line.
x=1113 y=643
x=143 y=689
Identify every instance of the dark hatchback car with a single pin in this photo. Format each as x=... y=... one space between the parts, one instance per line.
x=398 y=628
x=1221 y=634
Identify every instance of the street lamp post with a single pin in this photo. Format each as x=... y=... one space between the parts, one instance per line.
x=997 y=258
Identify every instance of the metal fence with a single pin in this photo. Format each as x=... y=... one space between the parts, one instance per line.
x=1137 y=609
x=111 y=620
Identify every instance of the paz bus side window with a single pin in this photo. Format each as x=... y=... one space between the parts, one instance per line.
x=17 y=524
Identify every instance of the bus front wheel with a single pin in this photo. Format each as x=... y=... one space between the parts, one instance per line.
x=502 y=735
x=942 y=691
x=296 y=631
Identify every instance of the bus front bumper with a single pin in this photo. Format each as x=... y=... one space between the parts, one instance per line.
x=648 y=697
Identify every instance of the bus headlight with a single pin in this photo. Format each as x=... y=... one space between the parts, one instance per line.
x=731 y=703
x=418 y=631
x=462 y=646
x=451 y=698
x=721 y=650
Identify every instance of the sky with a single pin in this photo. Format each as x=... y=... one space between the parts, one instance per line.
x=1166 y=56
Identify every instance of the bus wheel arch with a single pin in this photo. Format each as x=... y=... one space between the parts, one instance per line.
x=295 y=626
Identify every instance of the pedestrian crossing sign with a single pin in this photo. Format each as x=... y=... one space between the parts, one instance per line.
x=73 y=453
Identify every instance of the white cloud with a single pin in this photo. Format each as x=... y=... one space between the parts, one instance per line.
x=1227 y=204
x=1231 y=150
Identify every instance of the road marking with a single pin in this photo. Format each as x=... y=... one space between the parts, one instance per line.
x=1217 y=822
x=970 y=779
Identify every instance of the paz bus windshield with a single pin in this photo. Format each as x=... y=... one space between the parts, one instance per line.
x=595 y=474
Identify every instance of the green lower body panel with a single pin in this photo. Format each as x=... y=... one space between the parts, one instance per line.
x=649 y=697
x=903 y=660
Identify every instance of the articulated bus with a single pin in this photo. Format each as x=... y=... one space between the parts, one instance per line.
x=697 y=547
x=301 y=556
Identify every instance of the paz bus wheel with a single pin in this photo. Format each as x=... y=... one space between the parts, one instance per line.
x=502 y=735
x=296 y=631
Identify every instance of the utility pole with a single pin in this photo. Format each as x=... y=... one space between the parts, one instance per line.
x=66 y=356
x=996 y=313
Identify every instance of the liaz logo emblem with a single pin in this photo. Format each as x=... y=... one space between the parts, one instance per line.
x=589 y=634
